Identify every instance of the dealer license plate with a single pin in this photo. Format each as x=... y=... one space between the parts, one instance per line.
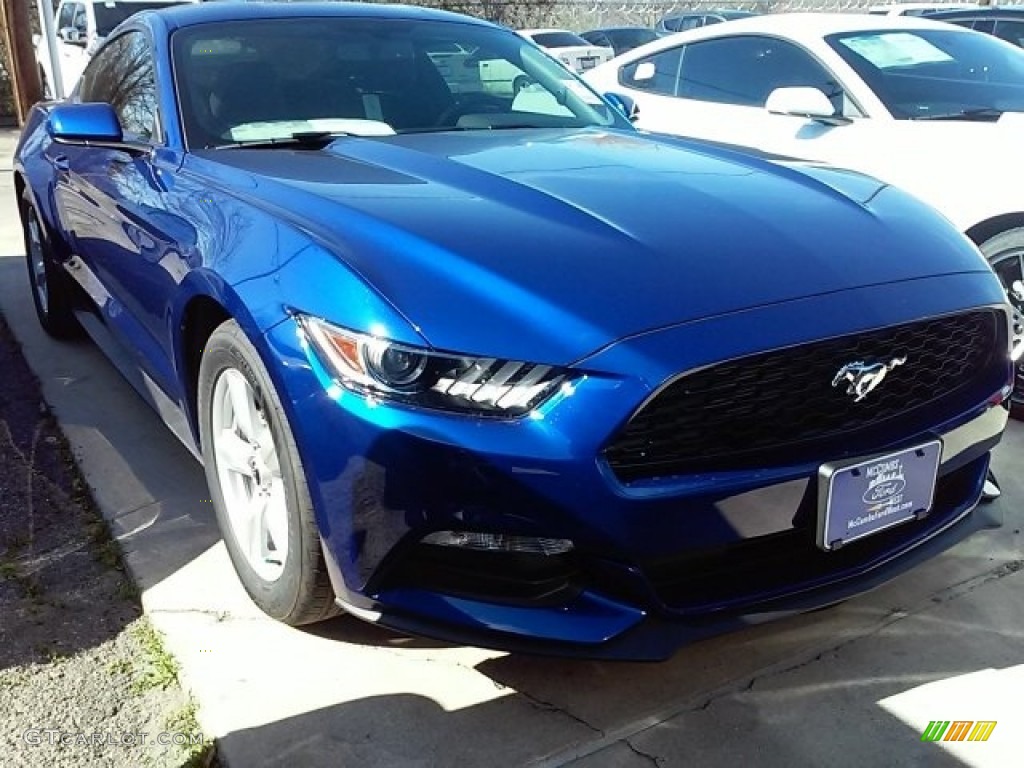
x=860 y=499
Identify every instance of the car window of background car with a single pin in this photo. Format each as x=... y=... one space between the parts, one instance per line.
x=744 y=70
x=557 y=39
x=237 y=77
x=1011 y=31
x=597 y=38
x=66 y=17
x=657 y=74
x=927 y=73
x=80 y=21
x=626 y=39
x=122 y=75
x=110 y=14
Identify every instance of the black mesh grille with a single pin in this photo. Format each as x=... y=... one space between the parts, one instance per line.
x=733 y=415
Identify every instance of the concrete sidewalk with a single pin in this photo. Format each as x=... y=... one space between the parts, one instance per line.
x=851 y=685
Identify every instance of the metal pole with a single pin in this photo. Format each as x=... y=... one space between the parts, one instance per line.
x=47 y=24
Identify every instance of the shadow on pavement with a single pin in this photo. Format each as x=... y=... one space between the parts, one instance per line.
x=55 y=555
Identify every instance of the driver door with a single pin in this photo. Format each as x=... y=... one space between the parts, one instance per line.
x=131 y=250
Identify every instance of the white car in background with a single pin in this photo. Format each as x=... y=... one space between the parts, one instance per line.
x=935 y=109
x=569 y=48
x=916 y=9
x=80 y=26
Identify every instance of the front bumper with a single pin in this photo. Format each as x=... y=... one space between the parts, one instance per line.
x=595 y=627
x=653 y=566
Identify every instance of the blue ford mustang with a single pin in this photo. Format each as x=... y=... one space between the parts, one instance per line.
x=481 y=361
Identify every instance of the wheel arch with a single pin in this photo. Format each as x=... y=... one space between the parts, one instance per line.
x=200 y=317
x=990 y=227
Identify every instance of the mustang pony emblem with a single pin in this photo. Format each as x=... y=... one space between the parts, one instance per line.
x=864 y=377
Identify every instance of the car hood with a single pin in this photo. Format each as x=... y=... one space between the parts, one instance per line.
x=551 y=244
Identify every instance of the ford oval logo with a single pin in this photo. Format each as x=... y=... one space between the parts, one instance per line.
x=885 y=490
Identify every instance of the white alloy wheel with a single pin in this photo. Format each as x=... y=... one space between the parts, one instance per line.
x=249 y=473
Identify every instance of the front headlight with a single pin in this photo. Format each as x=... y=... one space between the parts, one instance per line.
x=481 y=385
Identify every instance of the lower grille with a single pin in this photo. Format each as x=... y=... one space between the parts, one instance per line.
x=781 y=563
x=737 y=414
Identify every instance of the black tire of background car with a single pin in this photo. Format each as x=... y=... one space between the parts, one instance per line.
x=303 y=593
x=1000 y=249
x=44 y=86
x=58 y=318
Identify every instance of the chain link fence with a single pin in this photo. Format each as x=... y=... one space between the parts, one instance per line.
x=576 y=15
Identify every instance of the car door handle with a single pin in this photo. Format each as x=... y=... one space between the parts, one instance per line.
x=61 y=163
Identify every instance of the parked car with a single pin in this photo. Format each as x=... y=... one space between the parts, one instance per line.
x=570 y=49
x=620 y=39
x=914 y=9
x=444 y=374
x=680 y=22
x=931 y=108
x=81 y=25
x=1005 y=22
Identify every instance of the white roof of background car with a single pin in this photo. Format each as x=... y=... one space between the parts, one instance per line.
x=794 y=26
x=896 y=9
x=539 y=31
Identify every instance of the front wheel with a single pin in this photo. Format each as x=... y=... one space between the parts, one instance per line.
x=1005 y=252
x=257 y=483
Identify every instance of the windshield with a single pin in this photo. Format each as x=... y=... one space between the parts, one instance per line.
x=109 y=14
x=631 y=38
x=259 y=80
x=937 y=74
x=557 y=39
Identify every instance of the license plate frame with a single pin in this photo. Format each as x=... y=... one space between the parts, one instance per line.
x=865 y=496
x=588 y=62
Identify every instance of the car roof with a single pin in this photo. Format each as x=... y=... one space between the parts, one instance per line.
x=624 y=28
x=988 y=10
x=209 y=12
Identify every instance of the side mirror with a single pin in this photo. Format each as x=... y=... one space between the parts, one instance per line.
x=804 y=102
x=624 y=104
x=84 y=124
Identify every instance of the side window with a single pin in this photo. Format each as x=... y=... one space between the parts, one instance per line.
x=79 y=20
x=122 y=75
x=745 y=70
x=985 y=25
x=691 y=22
x=657 y=74
x=66 y=16
x=1011 y=31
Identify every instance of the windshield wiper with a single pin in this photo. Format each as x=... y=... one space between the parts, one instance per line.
x=301 y=139
x=977 y=113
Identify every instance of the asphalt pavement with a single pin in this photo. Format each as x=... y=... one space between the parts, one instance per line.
x=856 y=684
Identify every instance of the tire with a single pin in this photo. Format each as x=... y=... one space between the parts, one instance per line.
x=276 y=553
x=44 y=86
x=1005 y=253
x=51 y=292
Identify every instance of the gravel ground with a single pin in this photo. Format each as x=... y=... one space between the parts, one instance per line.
x=84 y=679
